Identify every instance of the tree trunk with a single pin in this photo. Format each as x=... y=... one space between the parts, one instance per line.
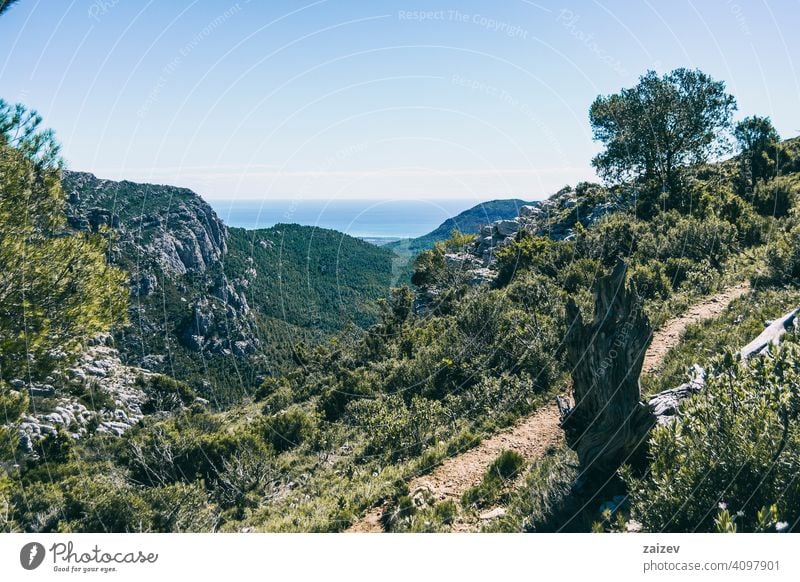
x=608 y=423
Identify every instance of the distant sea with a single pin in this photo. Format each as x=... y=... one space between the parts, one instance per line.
x=374 y=220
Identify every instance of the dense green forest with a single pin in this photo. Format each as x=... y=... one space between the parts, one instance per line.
x=313 y=277
x=427 y=373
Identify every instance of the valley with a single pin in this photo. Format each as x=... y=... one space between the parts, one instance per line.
x=571 y=364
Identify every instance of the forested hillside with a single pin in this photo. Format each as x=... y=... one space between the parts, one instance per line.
x=313 y=277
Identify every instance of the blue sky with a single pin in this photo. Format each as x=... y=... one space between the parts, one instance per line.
x=384 y=100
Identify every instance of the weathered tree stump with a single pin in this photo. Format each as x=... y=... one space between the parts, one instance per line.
x=608 y=423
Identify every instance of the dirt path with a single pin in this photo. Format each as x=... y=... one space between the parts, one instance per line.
x=669 y=335
x=534 y=434
x=530 y=438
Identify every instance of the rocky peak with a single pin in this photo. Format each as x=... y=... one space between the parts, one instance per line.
x=173 y=226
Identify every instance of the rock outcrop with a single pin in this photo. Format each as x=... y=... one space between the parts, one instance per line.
x=173 y=245
x=111 y=398
x=556 y=217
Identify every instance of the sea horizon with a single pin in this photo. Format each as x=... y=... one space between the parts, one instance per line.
x=380 y=220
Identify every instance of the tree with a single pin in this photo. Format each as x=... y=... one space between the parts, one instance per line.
x=56 y=286
x=6 y=4
x=758 y=140
x=652 y=130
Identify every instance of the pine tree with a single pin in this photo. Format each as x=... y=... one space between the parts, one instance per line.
x=56 y=287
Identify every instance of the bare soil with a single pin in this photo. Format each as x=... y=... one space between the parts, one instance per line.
x=669 y=335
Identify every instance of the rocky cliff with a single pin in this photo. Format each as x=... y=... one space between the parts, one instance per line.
x=173 y=246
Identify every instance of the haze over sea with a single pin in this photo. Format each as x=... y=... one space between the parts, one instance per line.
x=367 y=219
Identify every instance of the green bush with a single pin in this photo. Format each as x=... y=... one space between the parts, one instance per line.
x=187 y=448
x=650 y=281
x=777 y=197
x=165 y=394
x=735 y=445
x=541 y=503
x=352 y=385
x=12 y=403
x=290 y=428
x=531 y=253
x=783 y=257
x=396 y=431
x=503 y=469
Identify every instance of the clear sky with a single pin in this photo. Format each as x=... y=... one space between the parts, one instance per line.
x=370 y=99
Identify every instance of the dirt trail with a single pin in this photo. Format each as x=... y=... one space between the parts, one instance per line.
x=530 y=438
x=534 y=434
x=669 y=335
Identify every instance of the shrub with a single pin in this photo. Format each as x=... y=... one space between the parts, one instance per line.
x=736 y=445
x=181 y=507
x=397 y=431
x=446 y=511
x=165 y=394
x=580 y=274
x=783 y=257
x=777 y=197
x=290 y=428
x=507 y=465
x=541 y=503
x=187 y=448
x=93 y=498
x=650 y=281
x=504 y=468
x=352 y=386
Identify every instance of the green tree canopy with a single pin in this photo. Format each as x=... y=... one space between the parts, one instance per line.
x=56 y=287
x=757 y=139
x=663 y=123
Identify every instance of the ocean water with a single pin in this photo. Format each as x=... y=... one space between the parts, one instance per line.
x=368 y=219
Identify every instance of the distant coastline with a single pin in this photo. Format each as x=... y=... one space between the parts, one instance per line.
x=376 y=221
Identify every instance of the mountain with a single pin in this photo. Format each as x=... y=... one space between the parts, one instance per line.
x=467 y=222
x=218 y=306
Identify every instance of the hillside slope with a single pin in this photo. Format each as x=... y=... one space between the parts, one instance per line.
x=467 y=222
x=309 y=277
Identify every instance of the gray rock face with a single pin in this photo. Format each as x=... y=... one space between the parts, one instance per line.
x=529 y=211
x=505 y=228
x=170 y=241
x=101 y=368
x=117 y=383
x=462 y=261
